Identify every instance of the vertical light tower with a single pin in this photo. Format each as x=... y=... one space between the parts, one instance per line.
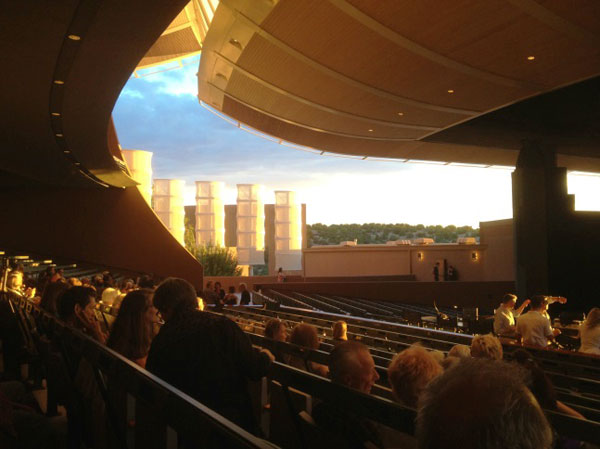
x=210 y=213
x=167 y=202
x=250 y=225
x=139 y=163
x=288 y=231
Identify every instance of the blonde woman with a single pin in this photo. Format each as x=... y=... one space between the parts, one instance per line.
x=589 y=332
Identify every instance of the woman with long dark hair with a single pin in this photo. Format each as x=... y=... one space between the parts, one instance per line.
x=133 y=329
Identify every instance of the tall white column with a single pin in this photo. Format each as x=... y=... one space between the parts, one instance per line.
x=210 y=213
x=250 y=225
x=288 y=231
x=167 y=202
x=139 y=163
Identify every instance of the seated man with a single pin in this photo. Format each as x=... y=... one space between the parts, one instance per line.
x=504 y=318
x=351 y=365
x=206 y=356
x=481 y=404
x=534 y=327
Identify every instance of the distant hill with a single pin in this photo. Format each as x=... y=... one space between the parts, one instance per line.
x=320 y=234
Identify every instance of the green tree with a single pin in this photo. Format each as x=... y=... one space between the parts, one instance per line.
x=216 y=260
x=189 y=237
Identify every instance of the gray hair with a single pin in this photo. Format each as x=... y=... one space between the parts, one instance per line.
x=481 y=404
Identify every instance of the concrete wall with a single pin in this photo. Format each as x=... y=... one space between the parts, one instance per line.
x=500 y=255
x=371 y=260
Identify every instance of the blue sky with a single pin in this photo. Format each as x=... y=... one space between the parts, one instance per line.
x=161 y=113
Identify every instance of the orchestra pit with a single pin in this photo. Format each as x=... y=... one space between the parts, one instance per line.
x=112 y=337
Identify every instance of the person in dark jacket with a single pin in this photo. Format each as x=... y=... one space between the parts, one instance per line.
x=206 y=356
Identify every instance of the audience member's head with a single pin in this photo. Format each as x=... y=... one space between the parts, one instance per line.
x=409 y=373
x=509 y=300
x=305 y=335
x=74 y=282
x=243 y=287
x=126 y=285
x=146 y=281
x=538 y=303
x=351 y=364
x=486 y=347
x=52 y=292
x=109 y=295
x=131 y=332
x=231 y=290
x=481 y=404
x=174 y=298
x=209 y=285
x=340 y=329
x=75 y=301
x=593 y=318
x=218 y=287
x=276 y=329
x=460 y=351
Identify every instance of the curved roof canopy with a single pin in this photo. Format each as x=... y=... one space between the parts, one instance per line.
x=396 y=79
x=66 y=192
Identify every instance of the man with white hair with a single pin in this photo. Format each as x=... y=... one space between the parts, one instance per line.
x=481 y=404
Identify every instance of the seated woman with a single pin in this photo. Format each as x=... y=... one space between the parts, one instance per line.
x=306 y=335
x=410 y=371
x=245 y=297
x=486 y=347
x=77 y=308
x=231 y=298
x=542 y=389
x=589 y=332
x=275 y=329
x=133 y=330
x=340 y=332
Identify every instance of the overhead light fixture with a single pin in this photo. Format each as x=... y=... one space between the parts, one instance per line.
x=530 y=58
x=400 y=113
x=74 y=37
x=77 y=163
x=370 y=130
x=55 y=114
x=58 y=135
x=67 y=152
x=59 y=82
x=450 y=91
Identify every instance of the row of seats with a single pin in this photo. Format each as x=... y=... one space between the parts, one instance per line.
x=578 y=388
x=111 y=401
x=285 y=400
x=589 y=428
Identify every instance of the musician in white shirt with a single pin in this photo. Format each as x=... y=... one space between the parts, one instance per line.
x=504 y=318
x=534 y=327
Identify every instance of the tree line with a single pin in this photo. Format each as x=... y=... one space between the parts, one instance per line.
x=370 y=233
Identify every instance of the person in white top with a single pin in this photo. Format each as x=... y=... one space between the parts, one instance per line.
x=589 y=332
x=534 y=327
x=504 y=318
